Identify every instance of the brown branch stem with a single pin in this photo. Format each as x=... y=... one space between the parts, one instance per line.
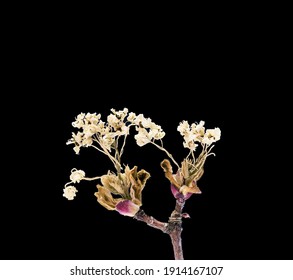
x=173 y=228
x=151 y=221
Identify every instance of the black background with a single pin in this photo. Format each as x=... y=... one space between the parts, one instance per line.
x=244 y=211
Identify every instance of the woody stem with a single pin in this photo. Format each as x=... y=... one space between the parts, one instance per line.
x=149 y=220
x=173 y=228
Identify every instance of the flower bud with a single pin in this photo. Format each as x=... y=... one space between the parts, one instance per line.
x=177 y=194
x=127 y=208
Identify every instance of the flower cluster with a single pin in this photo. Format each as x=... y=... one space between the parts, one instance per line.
x=104 y=136
x=196 y=133
x=184 y=180
x=121 y=191
x=148 y=131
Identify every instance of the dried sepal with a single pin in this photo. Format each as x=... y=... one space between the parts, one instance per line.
x=138 y=181
x=190 y=189
x=106 y=199
x=193 y=171
x=166 y=165
x=112 y=183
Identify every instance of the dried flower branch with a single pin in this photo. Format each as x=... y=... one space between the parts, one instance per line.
x=122 y=190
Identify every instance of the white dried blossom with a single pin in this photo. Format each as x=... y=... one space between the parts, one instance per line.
x=102 y=129
x=139 y=119
x=199 y=127
x=113 y=120
x=183 y=127
x=77 y=175
x=211 y=136
x=217 y=134
x=189 y=140
x=147 y=130
x=190 y=145
x=76 y=139
x=189 y=136
x=90 y=129
x=107 y=140
x=123 y=130
x=142 y=137
x=131 y=116
x=79 y=121
x=147 y=123
x=159 y=135
x=92 y=118
x=70 y=192
x=116 y=123
x=121 y=114
x=86 y=142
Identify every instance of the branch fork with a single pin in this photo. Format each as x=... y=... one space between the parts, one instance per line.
x=173 y=228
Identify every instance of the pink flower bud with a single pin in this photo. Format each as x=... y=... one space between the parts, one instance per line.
x=177 y=194
x=127 y=208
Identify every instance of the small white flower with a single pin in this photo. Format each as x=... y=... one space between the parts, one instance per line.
x=93 y=118
x=86 y=142
x=100 y=127
x=152 y=126
x=123 y=130
x=112 y=120
x=200 y=126
x=190 y=145
x=77 y=141
x=146 y=122
x=211 y=136
x=76 y=175
x=89 y=130
x=217 y=133
x=79 y=122
x=131 y=116
x=121 y=114
x=77 y=138
x=69 y=192
x=189 y=136
x=107 y=140
x=139 y=119
x=142 y=138
x=183 y=127
x=159 y=135
x=152 y=132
